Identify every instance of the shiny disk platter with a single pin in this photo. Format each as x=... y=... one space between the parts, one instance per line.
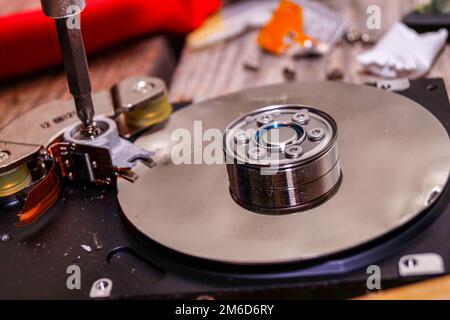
x=354 y=163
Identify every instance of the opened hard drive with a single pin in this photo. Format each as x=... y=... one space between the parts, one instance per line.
x=293 y=190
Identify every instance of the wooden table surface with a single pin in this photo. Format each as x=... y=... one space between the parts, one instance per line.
x=218 y=69
x=208 y=72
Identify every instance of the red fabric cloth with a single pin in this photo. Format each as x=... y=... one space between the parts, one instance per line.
x=28 y=41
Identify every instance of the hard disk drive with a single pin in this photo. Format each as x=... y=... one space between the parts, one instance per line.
x=291 y=190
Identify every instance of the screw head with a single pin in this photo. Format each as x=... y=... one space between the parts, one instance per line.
x=67 y=163
x=241 y=138
x=251 y=64
x=293 y=151
x=102 y=285
x=264 y=119
x=386 y=86
x=316 y=134
x=301 y=117
x=4 y=155
x=6 y=237
x=142 y=87
x=101 y=288
x=256 y=153
x=410 y=263
x=289 y=72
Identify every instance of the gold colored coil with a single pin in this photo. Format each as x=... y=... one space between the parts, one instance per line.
x=153 y=113
x=14 y=181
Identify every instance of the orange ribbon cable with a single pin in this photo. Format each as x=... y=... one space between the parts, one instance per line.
x=42 y=197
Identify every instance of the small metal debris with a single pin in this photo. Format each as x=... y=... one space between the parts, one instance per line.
x=251 y=64
x=335 y=74
x=353 y=36
x=98 y=245
x=86 y=247
x=289 y=72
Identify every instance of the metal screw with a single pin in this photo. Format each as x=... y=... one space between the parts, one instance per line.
x=142 y=87
x=293 y=151
x=386 y=86
x=241 y=138
x=410 y=263
x=301 y=117
x=70 y=176
x=316 y=134
x=102 y=285
x=335 y=74
x=289 y=72
x=251 y=64
x=6 y=237
x=4 y=155
x=256 y=153
x=264 y=119
x=353 y=36
x=101 y=288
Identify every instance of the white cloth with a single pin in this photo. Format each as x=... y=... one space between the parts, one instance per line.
x=402 y=52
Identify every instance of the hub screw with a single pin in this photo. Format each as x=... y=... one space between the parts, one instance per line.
x=301 y=117
x=241 y=138
x=316 y=134
x=256 y=153
x=294 y=151
x=264 y=119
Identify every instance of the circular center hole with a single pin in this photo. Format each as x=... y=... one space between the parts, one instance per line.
x=279 y=135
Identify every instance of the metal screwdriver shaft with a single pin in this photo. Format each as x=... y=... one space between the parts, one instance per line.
x=66 y=14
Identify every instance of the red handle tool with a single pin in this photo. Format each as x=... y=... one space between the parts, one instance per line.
x=28 y=41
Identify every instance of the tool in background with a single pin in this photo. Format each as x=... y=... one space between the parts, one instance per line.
x=256 y=68
x=90 y=152
x=74 y=57
x=29 y=43
x=319 y=22
x=285 y=29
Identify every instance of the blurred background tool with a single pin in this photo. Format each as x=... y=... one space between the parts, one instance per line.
x=208 y=65
x=74 y=56
x=242 y=16
x=285 y=29
x=29 y=43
